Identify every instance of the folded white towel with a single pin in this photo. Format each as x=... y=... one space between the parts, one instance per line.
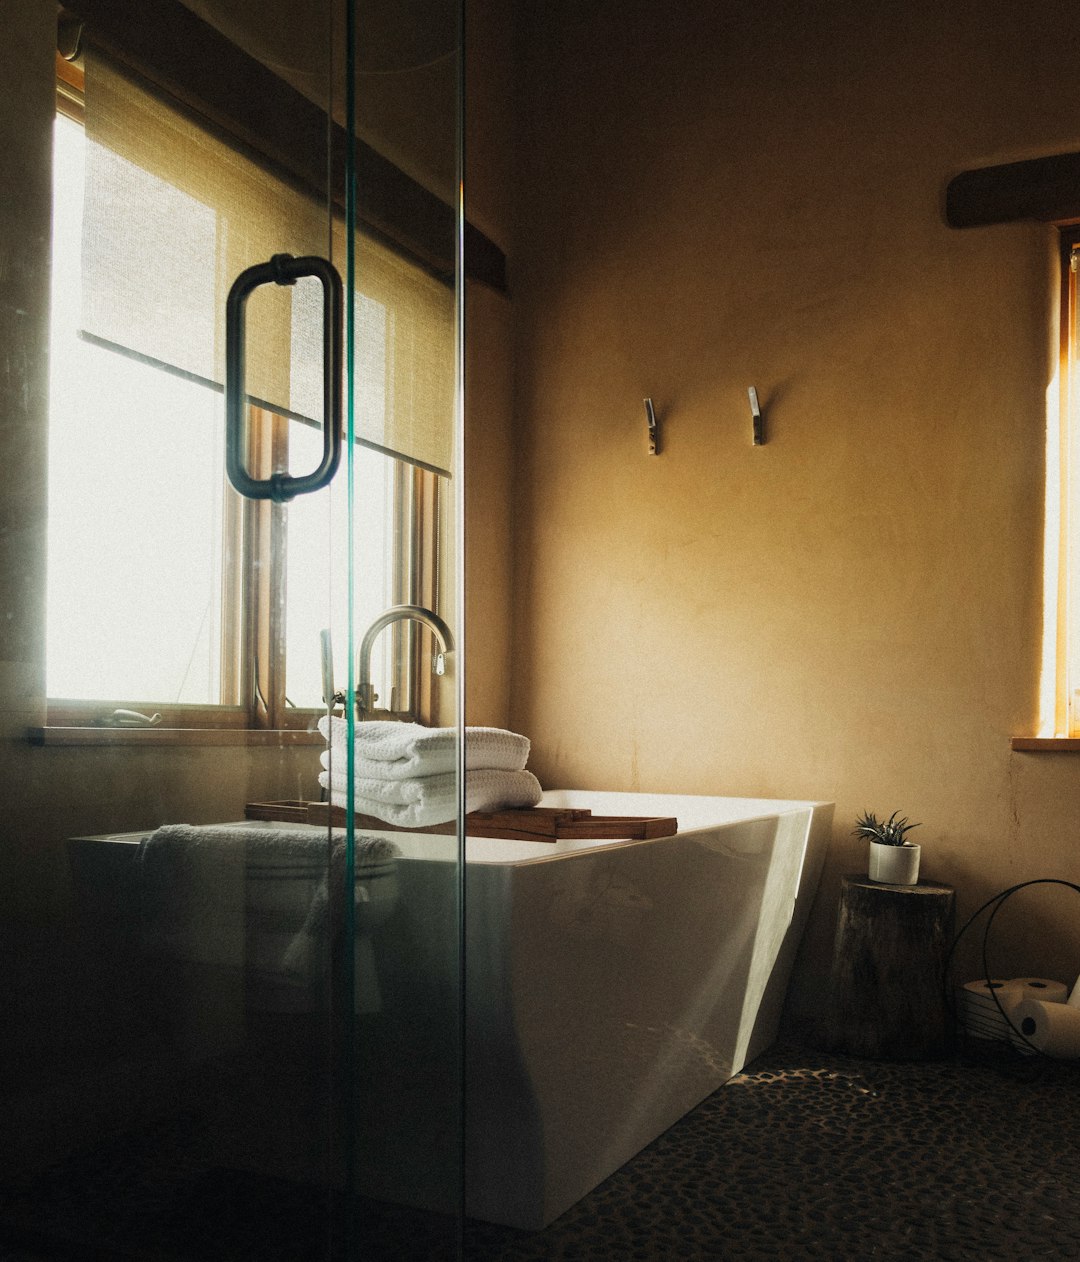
x=427 y=800
x=398 y=792
x=258 y=903
x=404 y=791
x=400 y=751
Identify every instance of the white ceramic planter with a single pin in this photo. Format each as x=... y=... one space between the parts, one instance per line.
x=895 y=865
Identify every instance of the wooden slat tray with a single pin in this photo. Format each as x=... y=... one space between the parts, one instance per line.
x=535 y=823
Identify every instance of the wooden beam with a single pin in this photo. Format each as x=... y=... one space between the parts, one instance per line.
x=1042 y=189
x=187 y=59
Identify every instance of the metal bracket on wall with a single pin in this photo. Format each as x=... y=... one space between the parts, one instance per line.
x=654 y=428
x=759 y=420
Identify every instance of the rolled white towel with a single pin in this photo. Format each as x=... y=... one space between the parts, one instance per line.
x=427 y=800
x=400 y=751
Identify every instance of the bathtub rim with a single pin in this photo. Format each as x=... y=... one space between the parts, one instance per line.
x=488 y=852
x=736 y=811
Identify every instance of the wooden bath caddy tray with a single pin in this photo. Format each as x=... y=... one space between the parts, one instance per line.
x=534 y=823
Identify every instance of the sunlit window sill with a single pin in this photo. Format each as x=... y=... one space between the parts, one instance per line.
x=1046 y=744
x=172 y=736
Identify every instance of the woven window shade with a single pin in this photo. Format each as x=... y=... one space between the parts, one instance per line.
x=405 y=357
x=172 y=214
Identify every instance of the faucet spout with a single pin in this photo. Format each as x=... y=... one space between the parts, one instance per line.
x=365 y=693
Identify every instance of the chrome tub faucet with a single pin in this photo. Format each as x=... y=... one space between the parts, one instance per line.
x=365 y=693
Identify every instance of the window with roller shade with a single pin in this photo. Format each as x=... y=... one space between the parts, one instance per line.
x=167 y=591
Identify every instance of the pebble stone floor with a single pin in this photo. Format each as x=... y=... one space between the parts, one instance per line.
x=805 y=1155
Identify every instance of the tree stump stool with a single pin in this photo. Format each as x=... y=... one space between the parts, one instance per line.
x=889 y=955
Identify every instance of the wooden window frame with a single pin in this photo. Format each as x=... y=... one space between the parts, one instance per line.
x=1044 y=190
x=253 y=633
x=1065 y=718
x=253 y=640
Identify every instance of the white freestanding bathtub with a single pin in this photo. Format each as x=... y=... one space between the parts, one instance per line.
x=612 y=986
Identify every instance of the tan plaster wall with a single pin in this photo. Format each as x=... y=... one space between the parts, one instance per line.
x=714 y=195
x=488 y=511
x=25 y=135
x=488 y=371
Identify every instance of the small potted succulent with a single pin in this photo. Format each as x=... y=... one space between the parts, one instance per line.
x=893 y=859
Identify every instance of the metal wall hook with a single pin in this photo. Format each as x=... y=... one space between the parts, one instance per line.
x=759 y=420
x=654 y=428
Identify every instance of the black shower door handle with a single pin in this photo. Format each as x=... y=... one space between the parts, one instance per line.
x=283 y=269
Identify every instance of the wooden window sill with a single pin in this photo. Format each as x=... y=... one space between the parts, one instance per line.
x=172 y=736
x=1046 y=744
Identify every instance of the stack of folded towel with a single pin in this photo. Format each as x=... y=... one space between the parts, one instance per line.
x=406 y=774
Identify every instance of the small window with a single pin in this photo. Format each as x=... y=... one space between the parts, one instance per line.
x=1061 y=706
x=166 y=591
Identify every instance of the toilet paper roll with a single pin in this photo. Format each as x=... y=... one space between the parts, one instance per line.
x=982 y=1017
x=1011 y=1002
x=1074 y=997
x=1052 y=1028
x=1042 y=988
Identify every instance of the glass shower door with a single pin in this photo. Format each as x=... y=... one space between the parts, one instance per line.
x=406 y=471
x=244 y=1032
